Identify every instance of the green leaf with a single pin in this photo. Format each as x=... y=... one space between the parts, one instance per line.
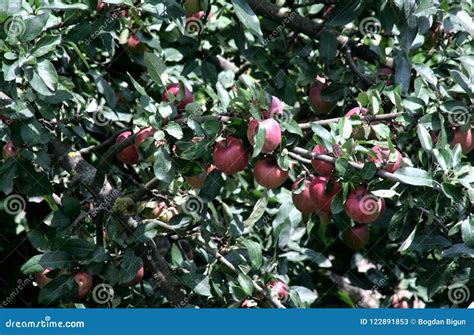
x=467 y=229
x=328 y=47
x=254 y=250
x=156 y=67
x=56 y=260
x=425 y=138
x=258 y=210
x=80 y=249
x=48 y=74
x=163 y=166
x=7 y=175
x=174 y=129
x=407 y=243
x=129 y=267
x=248 y=18
x=32 y=265
x=212 y=186
x=246 y=284
x=62 y=288
x=34 y=26
x=413 y=176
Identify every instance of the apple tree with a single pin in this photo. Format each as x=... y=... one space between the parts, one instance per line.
x=244 y=153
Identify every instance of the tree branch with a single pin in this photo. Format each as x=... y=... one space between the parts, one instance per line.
x=312 y=29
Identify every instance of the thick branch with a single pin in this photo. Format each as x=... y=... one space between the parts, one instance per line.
x=312 y=29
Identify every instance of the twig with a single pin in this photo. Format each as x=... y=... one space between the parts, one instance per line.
x=312 y=29
x=381 y=117
x=139 y=194
x=314 y=2
x=104 y=144
x=354 y=68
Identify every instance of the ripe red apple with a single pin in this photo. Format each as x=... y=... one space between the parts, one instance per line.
x=84 y=281
x=192 y=6
x=135 y=45
x=356 y=237
x=9 y=150
x=100 y=5
x=384 y=160
x=322 y=168
x=386 y=73
x=138 y=277
x=198 y=181
x=230 y=156
x=272 y=134
x=303 y=201
x=42 y=278
x=200 y=15
x=464 y=139
x=363 y=207
x=321 y=194
x=319 y=105
x=269 y=174
x=143 y=134
x=174 y=90
x=278 y=289
x=275 y=109
x=129 y=155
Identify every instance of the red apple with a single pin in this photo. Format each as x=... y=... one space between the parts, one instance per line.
x=135 y=45
x=385 y=160
x=279 y=289
x=138 y=277
x=319 y=105
x=198 y=181
x=322 y=168
x=272 y=134
x=174 y=90
x=275 y=109
x=356 y=237
x=386 y=73
x=363 y=207
x=143 y=134
x=100 y=5
x=129 y=155
x=321 y=194
x=303 y=201
x=269 y=174
x=464 y=139
x=42 y=278
x=230 y=156
x=84 y=281
x=9 y=150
